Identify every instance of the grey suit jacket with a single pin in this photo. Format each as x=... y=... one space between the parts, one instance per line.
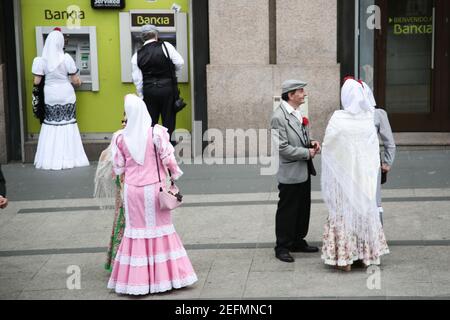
x=385 y=132
x=293 y=142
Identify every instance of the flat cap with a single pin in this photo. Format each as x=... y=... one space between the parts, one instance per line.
x=292 y=85
x=149 y=28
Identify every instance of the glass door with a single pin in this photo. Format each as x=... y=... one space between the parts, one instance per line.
x=410 y=64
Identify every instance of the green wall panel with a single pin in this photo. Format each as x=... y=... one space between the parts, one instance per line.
x=97 y=112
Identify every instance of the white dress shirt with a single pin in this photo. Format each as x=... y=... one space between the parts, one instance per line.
x=296 y=112
x=137 y=76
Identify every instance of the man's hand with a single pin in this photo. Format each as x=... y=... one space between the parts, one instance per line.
x=316 y=146
x=312 y=153
x=3 y=202
x=385 y=168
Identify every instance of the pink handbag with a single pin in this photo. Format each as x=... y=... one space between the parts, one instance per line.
x=169 y=198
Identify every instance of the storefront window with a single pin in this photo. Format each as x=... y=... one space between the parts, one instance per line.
x=408 y=56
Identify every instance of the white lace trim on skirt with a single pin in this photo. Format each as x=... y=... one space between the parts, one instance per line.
x=154 y=288
x=145 y=261
x=344 y=262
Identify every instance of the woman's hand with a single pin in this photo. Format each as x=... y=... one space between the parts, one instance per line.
x=75 y=80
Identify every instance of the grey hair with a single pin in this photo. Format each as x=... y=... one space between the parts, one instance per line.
x=149 y=35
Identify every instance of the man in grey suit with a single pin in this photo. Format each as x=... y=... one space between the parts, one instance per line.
x=296 y=151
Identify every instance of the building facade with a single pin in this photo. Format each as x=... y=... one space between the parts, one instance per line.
x=401 y=49
x=237 y=52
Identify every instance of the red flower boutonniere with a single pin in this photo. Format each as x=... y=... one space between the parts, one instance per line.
x=305 y=121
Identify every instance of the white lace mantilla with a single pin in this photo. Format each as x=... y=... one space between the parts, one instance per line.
x=149 y=233
x=145 y=261
x=350 y=165
x=154 y=288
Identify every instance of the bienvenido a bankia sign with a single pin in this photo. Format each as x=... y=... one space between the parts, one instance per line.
x=108 y=4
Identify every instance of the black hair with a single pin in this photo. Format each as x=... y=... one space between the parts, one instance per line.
x=285 y=96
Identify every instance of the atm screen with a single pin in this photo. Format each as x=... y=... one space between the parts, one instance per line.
x=169 y=37
x=137 y=40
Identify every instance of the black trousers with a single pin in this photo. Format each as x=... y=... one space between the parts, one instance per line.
x=2 y=184
x=292 y=218
x=159 y=99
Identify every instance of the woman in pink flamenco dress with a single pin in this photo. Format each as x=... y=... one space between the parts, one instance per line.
x=151 y=257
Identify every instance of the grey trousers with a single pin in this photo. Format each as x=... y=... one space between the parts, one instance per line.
x=379 y=195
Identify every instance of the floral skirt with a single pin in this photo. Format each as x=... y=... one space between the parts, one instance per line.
x=118 y=228
x=341 y=248
x=116 y=238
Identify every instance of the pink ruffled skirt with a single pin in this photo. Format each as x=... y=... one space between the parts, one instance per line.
x=151 y=259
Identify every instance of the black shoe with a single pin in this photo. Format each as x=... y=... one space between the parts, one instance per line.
x=304 y=247
x=285 y=257
x=307 y=249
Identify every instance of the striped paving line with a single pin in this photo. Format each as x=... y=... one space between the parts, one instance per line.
x=224 y=204
x=211 y=246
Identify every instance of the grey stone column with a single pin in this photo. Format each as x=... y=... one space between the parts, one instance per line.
x=307 y=49
x=239 y=77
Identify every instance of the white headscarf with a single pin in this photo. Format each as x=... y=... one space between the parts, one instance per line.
x=370 y=99
x=139 y=122
x=353 y=97
x=53 y=52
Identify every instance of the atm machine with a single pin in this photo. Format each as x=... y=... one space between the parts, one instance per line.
x=172 y=27
x=81 y=44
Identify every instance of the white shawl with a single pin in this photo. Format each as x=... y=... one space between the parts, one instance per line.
x=104 y=181
x=350 y=165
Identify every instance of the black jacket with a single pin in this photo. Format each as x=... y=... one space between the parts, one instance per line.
x=2 y=183
x=153 y=63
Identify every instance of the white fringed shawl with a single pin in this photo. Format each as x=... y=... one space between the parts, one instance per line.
x=350 y=165
x=105 y=187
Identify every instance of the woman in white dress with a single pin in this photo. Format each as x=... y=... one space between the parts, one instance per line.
x=350 y=166
x=59 y=145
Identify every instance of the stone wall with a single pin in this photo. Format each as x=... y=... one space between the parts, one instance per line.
x=241 y=83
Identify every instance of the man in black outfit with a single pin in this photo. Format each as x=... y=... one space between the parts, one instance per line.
x=3 y=199
x=153 y=74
